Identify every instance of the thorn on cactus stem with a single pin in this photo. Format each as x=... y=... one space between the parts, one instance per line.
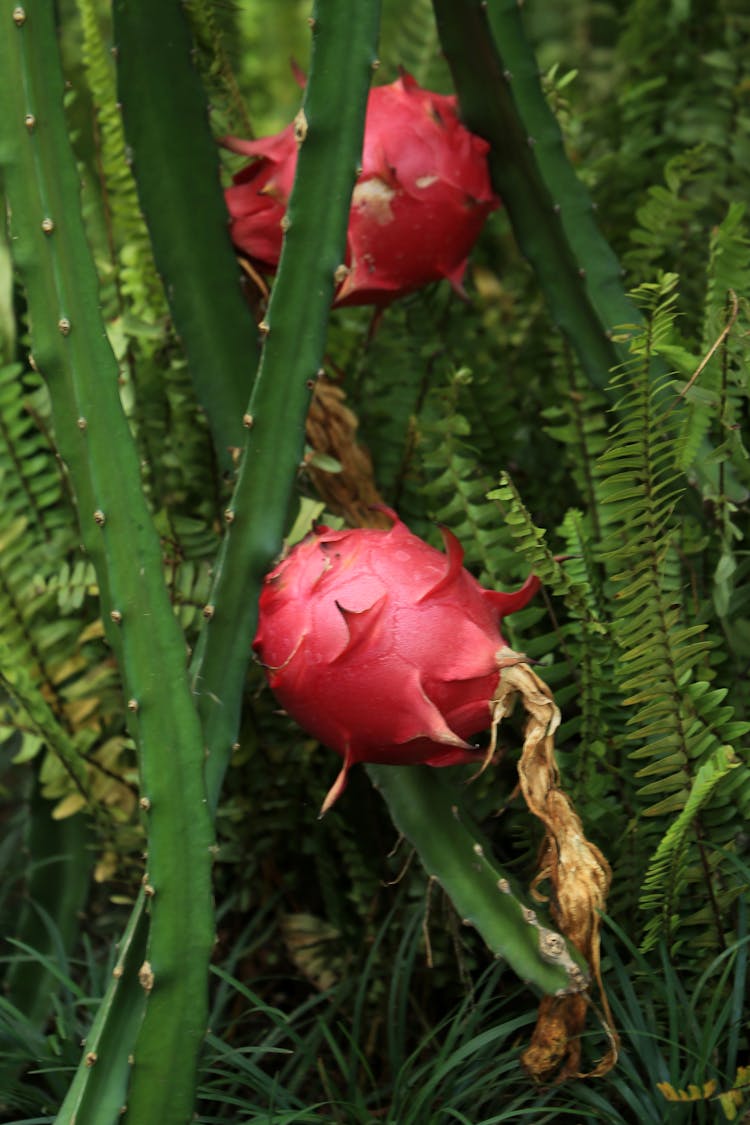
x=146 y=976
x=300 y=128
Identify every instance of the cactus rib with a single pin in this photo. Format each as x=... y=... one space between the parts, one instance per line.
x=72 y=352
x=176 y=166
x=453 y=851
x=330 y=127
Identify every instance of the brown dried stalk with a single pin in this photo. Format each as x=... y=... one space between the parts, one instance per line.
x=577 y=872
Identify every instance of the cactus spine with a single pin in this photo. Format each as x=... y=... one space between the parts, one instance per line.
x=72 y=352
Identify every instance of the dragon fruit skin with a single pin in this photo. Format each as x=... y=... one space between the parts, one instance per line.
x=419 y=204
x=384 y=648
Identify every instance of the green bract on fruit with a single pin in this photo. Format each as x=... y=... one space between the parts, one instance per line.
x=384 y=648
x=418 y=206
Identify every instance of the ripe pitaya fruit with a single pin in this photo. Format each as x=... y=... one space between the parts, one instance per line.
x=384 y=648
x=418 y=206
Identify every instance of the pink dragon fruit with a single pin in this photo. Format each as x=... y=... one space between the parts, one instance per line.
x=418 y=206
x=384 y=648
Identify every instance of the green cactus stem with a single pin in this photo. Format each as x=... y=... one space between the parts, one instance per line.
x=330 y=127
x=72 y=353
x=453 y=851
x=99 y=1089
x=497 y=81
x=176 y=165
x=496 y=77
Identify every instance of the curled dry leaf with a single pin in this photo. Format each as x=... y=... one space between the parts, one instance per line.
x=577 y=872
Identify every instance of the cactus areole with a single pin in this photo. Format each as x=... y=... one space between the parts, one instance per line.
x=384 y=648
x=419 y=204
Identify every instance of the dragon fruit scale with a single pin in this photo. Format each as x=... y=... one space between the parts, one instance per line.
x=384 y=648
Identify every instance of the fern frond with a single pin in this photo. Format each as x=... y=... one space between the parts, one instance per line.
x=138 y=280
x=663 y=670
x=414 y=44
x=669 y=216
x=457 y=486
x=60 y=686
x=718 y=382
x=30 y=479
x=228 y=107
x=665 y=875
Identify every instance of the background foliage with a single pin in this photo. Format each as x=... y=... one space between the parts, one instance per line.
x=344 y=987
